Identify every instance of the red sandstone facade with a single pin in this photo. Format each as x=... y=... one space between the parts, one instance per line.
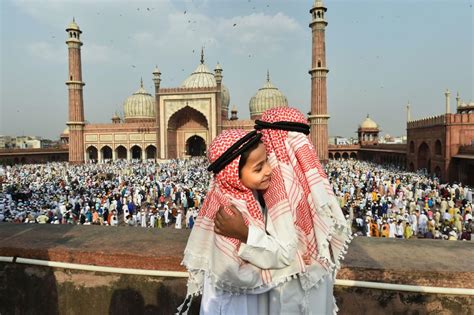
x=443 y=145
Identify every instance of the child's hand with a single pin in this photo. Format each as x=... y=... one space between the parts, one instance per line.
x=231 y=225
x=307 y=259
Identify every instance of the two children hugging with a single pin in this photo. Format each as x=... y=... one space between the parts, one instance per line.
x=270 y=234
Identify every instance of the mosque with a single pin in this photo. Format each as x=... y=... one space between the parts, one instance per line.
x=181 y=121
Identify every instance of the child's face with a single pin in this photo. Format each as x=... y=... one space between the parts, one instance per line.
x=256 y=172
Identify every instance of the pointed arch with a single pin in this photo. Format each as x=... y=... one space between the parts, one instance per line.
x=424 y=157
x=92 y=153
x=136 y=152
x=106 y=152
x=121 y=152
x=150 y=152
x=187 y=119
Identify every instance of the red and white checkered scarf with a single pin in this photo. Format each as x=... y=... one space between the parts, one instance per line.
x=215 y=256
x=297 y=176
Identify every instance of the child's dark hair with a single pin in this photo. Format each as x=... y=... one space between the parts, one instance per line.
x=245 y=155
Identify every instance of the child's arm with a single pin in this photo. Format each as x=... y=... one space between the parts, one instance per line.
x=258 y=248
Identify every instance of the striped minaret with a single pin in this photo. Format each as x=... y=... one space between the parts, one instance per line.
x=76 y=103
x=319 y=117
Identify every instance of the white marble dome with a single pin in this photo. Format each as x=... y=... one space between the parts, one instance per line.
x=368 y=123
x=141 y=105
x=202 y=77
x=267 y=97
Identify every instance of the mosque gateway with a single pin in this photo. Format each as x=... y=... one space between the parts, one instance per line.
x=181 y=121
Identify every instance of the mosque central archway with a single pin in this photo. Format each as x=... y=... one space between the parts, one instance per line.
x=182 y=123
x=195 y=146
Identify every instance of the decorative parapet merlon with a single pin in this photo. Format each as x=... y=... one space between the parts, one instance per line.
x=427 y=122
x=179 y=90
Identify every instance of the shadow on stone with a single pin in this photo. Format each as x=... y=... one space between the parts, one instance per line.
x=127 y=302
x=27 y=290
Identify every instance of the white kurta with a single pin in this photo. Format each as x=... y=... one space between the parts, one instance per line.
x=179 y=220
x=266 y=252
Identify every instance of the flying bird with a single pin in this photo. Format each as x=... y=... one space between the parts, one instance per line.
x=235 y=24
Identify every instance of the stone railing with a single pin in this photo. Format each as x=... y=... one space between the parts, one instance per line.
x=28 y=284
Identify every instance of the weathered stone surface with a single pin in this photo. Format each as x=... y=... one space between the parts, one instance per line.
x=27 y=289
x=424 y=262
x=127 y=247
x=374 y=302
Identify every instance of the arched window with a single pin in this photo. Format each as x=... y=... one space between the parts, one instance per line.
x=438 y=147
x=412 y=147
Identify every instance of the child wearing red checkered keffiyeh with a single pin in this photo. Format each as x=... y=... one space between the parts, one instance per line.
x=234 y=276
x=297 y=177
x=304 y=223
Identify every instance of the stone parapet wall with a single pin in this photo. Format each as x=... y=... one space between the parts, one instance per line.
x=247 y=124
x=427 y=122
x=33 y=151
x=445 y=119
x=343 y=147
x=461 y=119
x=468 y=149
x=177 y=90
x=25 y=288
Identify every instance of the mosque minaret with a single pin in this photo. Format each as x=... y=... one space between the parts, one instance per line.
x=319 y=117
x=76 y=103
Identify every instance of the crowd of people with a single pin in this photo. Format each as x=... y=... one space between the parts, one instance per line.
x=381 y=201
x=134 y=193
x=385 y=201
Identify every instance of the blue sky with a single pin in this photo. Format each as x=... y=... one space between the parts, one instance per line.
x=380 y=53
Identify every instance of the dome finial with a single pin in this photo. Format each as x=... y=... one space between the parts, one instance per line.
x=202 y=55
x=141 y=81
x=268 y=75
